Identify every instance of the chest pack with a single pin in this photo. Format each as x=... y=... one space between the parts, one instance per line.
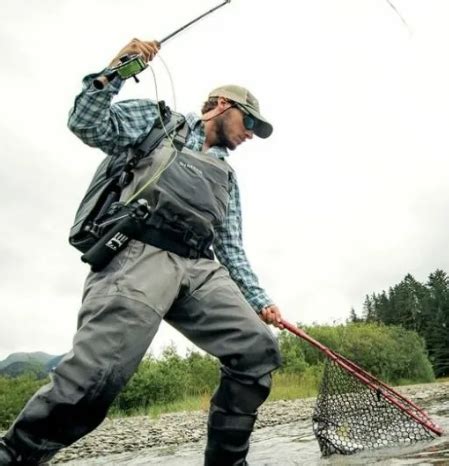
x=110 y=178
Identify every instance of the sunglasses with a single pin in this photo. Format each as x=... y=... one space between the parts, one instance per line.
x=249 y=122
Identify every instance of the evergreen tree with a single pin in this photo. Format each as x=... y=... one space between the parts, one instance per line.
x=382 y=307
x=353 y=317
x=369 y=314
x=423 y=308
x=436 y=325
x=408 y=298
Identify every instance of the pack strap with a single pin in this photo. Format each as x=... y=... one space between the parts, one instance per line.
x=182 y=134
x=159 y=132
x=171 y=242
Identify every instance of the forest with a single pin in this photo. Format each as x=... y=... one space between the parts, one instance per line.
x=420 y=307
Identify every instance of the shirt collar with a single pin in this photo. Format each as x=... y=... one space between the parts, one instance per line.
x=196 y=125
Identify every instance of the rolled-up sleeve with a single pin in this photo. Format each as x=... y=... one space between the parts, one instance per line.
x=111 y=127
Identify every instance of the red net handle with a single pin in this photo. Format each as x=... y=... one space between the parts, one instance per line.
x=391 y=395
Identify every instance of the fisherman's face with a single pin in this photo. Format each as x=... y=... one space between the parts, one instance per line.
x=230 y=129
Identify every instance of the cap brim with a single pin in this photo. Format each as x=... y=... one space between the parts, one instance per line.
x=263 y=129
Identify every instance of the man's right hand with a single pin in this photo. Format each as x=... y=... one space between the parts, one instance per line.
x=146 y=49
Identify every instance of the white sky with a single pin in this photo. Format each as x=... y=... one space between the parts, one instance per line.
x=349 y=194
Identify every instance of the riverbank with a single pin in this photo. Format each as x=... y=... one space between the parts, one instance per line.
x=119 y=435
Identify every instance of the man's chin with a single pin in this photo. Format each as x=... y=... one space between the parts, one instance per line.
x=231 y=146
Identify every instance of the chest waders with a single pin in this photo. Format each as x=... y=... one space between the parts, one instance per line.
x=172 y=198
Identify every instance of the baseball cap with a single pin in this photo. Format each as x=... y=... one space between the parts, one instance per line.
x=243 y=97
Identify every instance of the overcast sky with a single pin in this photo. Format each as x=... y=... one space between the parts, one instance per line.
x=349 y=194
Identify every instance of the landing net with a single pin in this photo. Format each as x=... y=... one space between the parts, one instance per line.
x=351 y=416
x=355 y=411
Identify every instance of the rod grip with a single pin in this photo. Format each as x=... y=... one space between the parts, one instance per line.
x=104 y=80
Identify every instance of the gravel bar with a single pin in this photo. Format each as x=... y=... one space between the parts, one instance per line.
x=127 y=434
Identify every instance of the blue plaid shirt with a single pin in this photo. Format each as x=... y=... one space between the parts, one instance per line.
x=114 y=128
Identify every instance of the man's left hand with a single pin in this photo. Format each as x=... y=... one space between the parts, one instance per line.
x=271 y=315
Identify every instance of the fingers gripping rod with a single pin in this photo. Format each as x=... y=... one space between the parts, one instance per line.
x=132 y=65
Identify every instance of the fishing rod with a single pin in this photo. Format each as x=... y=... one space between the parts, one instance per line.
x=130 y=65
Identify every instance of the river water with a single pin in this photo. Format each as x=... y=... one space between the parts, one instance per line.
x=294 y=444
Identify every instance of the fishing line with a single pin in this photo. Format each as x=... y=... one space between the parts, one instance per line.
x=164 y=166
x=399 y=14
x=171 y=80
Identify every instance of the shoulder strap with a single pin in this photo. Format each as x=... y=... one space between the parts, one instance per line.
x=181 y=136
x=127 y=160
x=159 y=132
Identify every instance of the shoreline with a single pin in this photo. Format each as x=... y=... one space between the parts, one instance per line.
x=127 y=434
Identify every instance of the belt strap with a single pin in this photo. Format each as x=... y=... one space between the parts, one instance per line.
x=162 y=240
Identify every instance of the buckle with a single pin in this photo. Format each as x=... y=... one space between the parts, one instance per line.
x=125 y=178
x=193 y=254
x=191 y=240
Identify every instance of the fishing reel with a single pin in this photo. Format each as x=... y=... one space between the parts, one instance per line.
x=129 y=66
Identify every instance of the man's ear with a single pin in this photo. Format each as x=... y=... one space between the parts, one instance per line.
x=223 y=103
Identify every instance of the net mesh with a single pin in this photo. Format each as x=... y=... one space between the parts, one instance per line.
x=350 y=416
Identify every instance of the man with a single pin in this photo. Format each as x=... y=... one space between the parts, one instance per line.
x=156 y=277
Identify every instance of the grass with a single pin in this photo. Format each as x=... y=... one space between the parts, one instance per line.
x=192 y=403
x=293 y=386
x=285 y=387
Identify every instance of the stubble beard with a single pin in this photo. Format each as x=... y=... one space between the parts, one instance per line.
x=222 y=139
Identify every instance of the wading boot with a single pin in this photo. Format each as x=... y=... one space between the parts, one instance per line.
x=228 y=437
x=10 y=457
x=7 y=456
